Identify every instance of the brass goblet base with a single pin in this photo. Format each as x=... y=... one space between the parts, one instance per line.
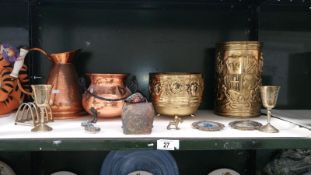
x=268 y=128
x=41 y=128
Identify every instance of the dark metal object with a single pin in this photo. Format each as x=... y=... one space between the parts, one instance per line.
x=89 y=124
x=137 y=118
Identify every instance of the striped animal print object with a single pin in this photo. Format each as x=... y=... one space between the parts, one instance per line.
x=11 y=89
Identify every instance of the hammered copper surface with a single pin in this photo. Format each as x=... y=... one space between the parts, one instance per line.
x=66 y=98
x=108 y=86
x=238 y=71
x=176 y=94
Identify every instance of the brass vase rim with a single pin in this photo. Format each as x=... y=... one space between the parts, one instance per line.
x=241 y=42
x=270 y=86
x=175 y=73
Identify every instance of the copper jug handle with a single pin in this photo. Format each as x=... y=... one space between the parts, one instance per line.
x=41 y=51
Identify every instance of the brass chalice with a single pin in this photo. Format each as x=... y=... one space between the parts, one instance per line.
x=41 y=95
x=269 y=96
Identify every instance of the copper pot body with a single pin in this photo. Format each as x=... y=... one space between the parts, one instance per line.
x=66 y=97
x=176 y=94
x=238 y=73
x=109 y=86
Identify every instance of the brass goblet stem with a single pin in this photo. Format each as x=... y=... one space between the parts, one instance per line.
x=269 y=95
x=42 y=126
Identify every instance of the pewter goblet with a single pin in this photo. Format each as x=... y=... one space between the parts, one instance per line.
x=269 y=96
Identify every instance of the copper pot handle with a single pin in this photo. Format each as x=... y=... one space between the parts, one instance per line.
x=106 y=99
x=41 y=51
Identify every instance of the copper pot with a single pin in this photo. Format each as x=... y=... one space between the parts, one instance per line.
x=106 y=94
x=176 y=94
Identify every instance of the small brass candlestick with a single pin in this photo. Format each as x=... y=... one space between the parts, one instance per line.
x=41 y=96
x=269 y=96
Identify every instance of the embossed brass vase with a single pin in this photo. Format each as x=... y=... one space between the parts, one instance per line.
x=238 y=73
x=66 y=98
x=176 y=94
x=106 y=94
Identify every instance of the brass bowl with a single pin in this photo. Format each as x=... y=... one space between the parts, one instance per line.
x=176 y=94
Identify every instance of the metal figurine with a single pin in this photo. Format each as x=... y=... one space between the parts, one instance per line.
x=176 y=94
x=89 y=124
x=269 y=96
x=41 y=95
x=238 y=71
x=174 y=123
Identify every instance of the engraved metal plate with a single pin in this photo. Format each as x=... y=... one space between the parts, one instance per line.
x=140 y=173
x=245 y=125
x=208 y=125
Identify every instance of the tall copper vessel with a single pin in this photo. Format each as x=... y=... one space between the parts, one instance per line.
x=66 y=98
x=106 y=94
x=238 y=71
x=176 y=94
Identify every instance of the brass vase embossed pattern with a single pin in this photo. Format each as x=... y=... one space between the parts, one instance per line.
x=238 y=71
x=176 y=94
x=66 y=98
x=106 y=94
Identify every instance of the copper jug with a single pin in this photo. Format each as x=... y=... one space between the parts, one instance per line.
x=106 y=94
x=65 y=100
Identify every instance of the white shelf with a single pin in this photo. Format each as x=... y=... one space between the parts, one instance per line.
x=111 y=129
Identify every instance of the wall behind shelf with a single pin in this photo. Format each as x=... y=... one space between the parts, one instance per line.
x=143 y=40
x=139 y=41
x=14 y=24
x=287 y=55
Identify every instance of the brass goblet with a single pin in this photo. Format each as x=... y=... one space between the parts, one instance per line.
x=41 y=95
x=269 y=96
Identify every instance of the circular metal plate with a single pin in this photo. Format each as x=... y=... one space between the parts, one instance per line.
x=152 y=161
x=208 y=125
x=140 y=173
x=223 y=171
x=245 y=125
x=6 y=169
x=63 y=173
